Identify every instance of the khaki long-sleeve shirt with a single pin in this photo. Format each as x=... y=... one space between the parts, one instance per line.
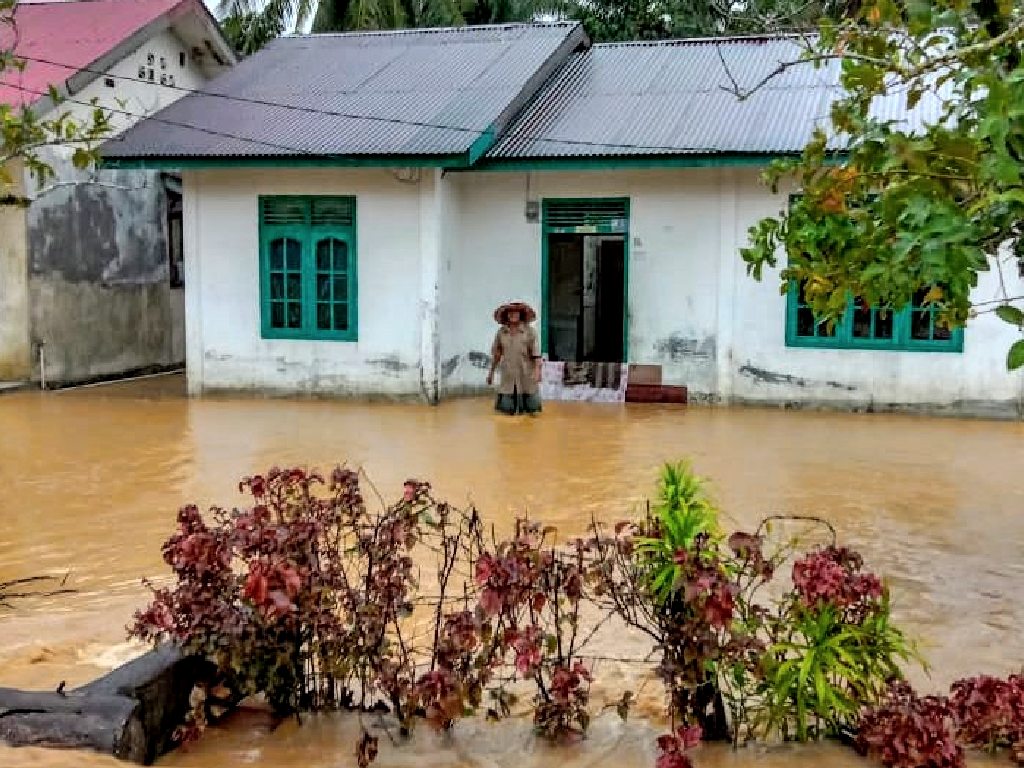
x=518 y=351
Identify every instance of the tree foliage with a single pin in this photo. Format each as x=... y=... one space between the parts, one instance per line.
x=617 y=20
x=251 y=24
x=903 y=212
x=24 y=134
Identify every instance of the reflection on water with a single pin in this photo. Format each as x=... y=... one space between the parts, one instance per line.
x=90 y=480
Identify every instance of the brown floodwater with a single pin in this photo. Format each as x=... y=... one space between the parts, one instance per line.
x=90 y=480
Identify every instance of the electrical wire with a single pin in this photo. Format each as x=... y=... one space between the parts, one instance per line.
x=353 y=116
x=164 y=121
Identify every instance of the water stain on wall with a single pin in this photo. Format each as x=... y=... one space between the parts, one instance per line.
x=678 y=347
x=92 y=233
x=763 y=376
x=390 y=365
x=479 y=359
x=99 y=294
x=448 y=366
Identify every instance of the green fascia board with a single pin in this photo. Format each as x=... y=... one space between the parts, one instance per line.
x=472 y=160
x=303 y=161
x=480 y=146
x=723 y=160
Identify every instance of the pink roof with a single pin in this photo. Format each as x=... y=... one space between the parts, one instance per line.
x=74 y=34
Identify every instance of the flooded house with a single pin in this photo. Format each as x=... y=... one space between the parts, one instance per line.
x=356 y=205
x=91 y=261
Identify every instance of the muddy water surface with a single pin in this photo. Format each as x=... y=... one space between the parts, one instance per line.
x=90 y=480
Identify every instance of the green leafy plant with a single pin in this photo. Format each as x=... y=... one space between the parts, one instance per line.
x=831 y=648
x=823 y=673
x=683 y=512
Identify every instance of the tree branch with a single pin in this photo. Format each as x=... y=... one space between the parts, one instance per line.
x=906 y=74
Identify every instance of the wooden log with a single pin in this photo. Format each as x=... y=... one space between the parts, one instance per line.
x=109 y=724
x=130 y=713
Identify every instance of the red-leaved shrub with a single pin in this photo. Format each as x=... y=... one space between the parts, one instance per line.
x=989 y=713
x=834 y=575
x=907 y=731
x=672 y=747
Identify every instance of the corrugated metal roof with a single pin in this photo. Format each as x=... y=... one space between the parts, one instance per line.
x=74 y=34
x=411 y=92
x=672 y=97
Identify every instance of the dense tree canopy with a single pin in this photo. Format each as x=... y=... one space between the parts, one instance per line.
x=614 y=20
x=24 y=133
x=901 y=212
x=251 y=24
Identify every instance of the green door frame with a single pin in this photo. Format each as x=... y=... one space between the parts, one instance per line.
x=600 y=229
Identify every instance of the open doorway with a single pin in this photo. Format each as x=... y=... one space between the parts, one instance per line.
x=585 y=289
x=586 y=303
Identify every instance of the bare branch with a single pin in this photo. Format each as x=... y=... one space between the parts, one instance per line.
x=905 y=74
x=6 y=595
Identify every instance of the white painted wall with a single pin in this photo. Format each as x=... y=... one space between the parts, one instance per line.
x=224 y=349
x=692 y=308
x=133 y=95
x=673 y=262
x=974 y=381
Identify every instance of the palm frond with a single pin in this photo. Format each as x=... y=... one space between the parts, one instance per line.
x=289 y=14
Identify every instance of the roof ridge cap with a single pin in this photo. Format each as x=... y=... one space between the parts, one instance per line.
x=668 y=42
x=409 y=32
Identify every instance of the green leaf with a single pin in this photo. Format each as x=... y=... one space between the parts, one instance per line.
x=914 y=97
x=1013 y=195
x=1015 y=357
x=1010 y=314
x=81 y=159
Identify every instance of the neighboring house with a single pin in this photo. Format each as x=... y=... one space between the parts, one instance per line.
x=357 y=205
x=90 y=271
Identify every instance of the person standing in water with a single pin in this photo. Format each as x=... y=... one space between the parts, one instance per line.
x=516 y=355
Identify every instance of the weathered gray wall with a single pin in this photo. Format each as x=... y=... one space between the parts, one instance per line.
x=99 y=292
x=15 y=349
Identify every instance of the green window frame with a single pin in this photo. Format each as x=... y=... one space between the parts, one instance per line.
x=308 y=268
x=911 y=329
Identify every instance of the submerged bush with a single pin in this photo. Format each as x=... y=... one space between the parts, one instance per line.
x=672 y=747
x=298 y=596
x=907 y=731
x=306 y=595
x=989 y=713
x=800 y=666
x=831 y=648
